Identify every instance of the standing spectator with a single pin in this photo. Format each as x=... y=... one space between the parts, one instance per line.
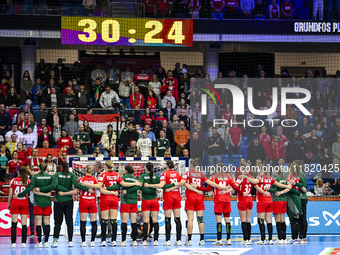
x=150 y=8
x=147 y=118
x=169 y=111
x=314 y=147
x=23 y=125
x=232 y=9
x=235 y=138
x=125 y=85
x=260 y=10
x=180 y=8
x=162 y=8
x=185 y=118
x=12 y=144
x=26 y=85
x=183 y=106
x=161 y=145
x=69 y=100
x=335 y=9
x=214 y=148
x=274 y=10
x=196 y=148
x=109 y=98
x=277 y=151
x=96 y=92
x=12 y=98
x=265 y=140
x=318 y=9
x=144 y=145
x=127 y=136
x=45 y=136
x=217 y=9
x=168 y=98
x=77 y=75
x=113 y=76
x=290 y=113
x=194 y=7
x=31 y=138
x=54 y=119
x=336 y=151
x=155 y=85
x=247 y=7
x=61 y=72
x=287 y=10
x=90 y=132
x=14 y=131
x=296 y=147
x=37 y=92
x=174 y=80
x=98 y=73
x=149 y=133
x=182 y=137
x=256 y=151
x=5 y=120
x=65 y=141
x=83 y=97
x=90 y=7
x=108 y=140
x=71 y=126
x=42 y=72
x=334 y=131
x=133 y=150
x=54 y=98
x=4 y=158
x=137 y=102
x=152 y=101
x=83 y=138
x=212 y=113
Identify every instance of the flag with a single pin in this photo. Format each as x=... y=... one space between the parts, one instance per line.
x=99 y=122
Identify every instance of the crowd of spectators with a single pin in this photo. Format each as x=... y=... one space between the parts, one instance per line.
x=230 y=9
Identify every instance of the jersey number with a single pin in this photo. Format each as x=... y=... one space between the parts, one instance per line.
x=197 y=181
x=173 y=180
x=248 y=188
x=19 y=190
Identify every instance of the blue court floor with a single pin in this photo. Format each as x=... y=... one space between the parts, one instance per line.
x=316 y=245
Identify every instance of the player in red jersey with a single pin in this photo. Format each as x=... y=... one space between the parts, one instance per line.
x=18 y=206
x=245 y=204
x=193 y=181
x=172 y=201
x=109 y=203
x=13 y=165
x=264 y=201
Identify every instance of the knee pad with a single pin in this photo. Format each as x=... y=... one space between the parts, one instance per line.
x=114 y=221
x=200 y=219
x=167 y=219
x=177 y=219
x=105 y=221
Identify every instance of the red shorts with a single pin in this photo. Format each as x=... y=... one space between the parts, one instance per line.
x=279 y=207
x=150 y=205
x=194 y=203
x=44 y=211
x=171 y=204
x=128 y=208
x=19 y=206
x=88 y=206
x=222 y=207
x=108 y=205
x=245 y=205
x=263 y=207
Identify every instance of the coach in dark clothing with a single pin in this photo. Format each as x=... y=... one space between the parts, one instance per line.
x=256 y=151
x=196 y=148
x=128 y=136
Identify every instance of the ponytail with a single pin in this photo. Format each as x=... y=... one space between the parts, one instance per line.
x=64 y=165
x=170 y=164
x=149 y=166
x=23 y=175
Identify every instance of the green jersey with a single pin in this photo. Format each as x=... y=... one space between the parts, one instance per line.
x=162 y=146
x=150 y=193
x=274 y=188
x=63 y=183
x=131 y=197
x=303 y=183
x=39 y=181
x=82 y=137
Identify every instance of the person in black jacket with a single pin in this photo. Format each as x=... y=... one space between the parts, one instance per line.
x=256 y=151
x=96 y=92
x=5 y=120
x=41 y=138
x=168 y=131
x=50 y=118
x=42 y=72
x=54 y=98
x=77 y=75
x=169 y=111
x=196 y=148
x=127 y=136
x=12 y=98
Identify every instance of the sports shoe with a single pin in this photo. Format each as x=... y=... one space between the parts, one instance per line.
x=281 y=242
x=83 y=244
x=23 y=245
x=38 y=245
x=277 y=241
x=303 y=241
x=102 y=244
x=31 y=236
x=122 y=244
x=45 y=244
x=155 y=243
x=270 y=242
x=228 y=242
x=167 y=243
x=54 y=245
x=201 y=243
x=134 y=243
x=178 y=243
x=249 y=242
x=70 y=244
x=143 y=243
x=13 y=245
x=296 y=241
x=113 y=244
x=261 y=242
x=188 y=243
x=243 y=242
x=91 y=244
x=218 y=243
x=286 y=241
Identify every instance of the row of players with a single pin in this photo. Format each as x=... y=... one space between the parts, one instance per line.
x=110 y=182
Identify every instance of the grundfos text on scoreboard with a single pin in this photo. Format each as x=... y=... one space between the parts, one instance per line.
x=317 y=27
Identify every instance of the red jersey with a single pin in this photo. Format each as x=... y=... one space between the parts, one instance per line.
x=265 y=141
x=34 y=164
x=232 y=5
x=137 y=100
x=245 y=186
x=151 y=102
x=18 y=187
x=276 y=151
x=174 y=90
x=217 y=4
x=287 y=8
x=85 y=195
x=22 y=156
x=14 y=166
x=294 y=178
x=235 y=134
x=226 y=180
x=40 y=130
x=275 y=11
x=194 y=176
x=265 y=181
x=4 y=88
x=174 y=82
x=65 y=141
x=24 y=124
x=171 y=176
x=147 y=119
x=109 y=179
x=162 y=7
x=227 y=115
x=148 y=5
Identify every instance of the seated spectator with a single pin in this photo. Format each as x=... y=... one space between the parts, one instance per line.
x=12 y=143
x=147 y=118
x=65 y=141
x=183 y=106
x=114 y=154
x=287 y=10
x=41 y=114
x=76 y=147
x=80 y=152
x=71 y=86
x=98 y=152
x=217 y=9
x=26 y=85
x=83 y=97
x=108 y=140
x=319 y=187
x=83 y=138
x=169 y=111
x=133 y=150
x=40 y=128
x=31 y=138
x=337 y=188
x=290 y=113
x=152 y=101
x=167 y=154
x=96 y=91
x=54 y=98
x=13 y=166
x=25 y=123
x=62 y=157
x=274 y=10
x=161 y=116
x=277 y=151
x=51 y=167
x=127 y=136
x=247 y=7
x=5 y=120
x=71 y=126
x=305 y=128
x=45 y=136
x=98 y=73
x=329 y=186
x=69 y=99
x=109 y=98
x=12 y=98
x=260 y=10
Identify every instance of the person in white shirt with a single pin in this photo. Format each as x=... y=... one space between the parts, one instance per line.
x=31 y=138
x=169 y=97
x=14 y=131
x=108 y=98
x=155 y=85
x=98 y=73
x=144 y=145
